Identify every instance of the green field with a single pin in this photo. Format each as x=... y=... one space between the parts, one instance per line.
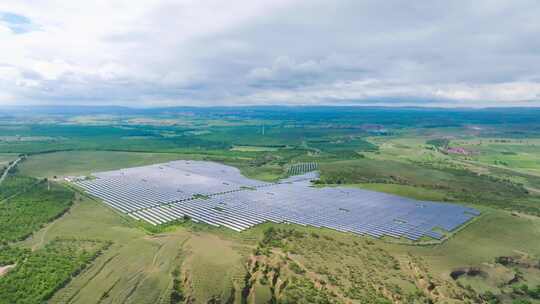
x=253 y=148
x=522 y=154
x=496 y=233
x=5 y=158
x=85 y=162
x=405 y=190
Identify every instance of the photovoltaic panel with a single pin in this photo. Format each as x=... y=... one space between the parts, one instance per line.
x=220 y=195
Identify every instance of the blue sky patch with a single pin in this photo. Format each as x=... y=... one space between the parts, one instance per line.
x=17 y=23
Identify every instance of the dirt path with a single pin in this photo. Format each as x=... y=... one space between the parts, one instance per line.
x=43 y=231
x=5 y=269
x=5 y=173
x=42 y=237
x=534 y=190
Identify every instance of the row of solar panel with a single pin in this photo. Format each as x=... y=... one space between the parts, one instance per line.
x=245 y=218
x=157 y=200
x=301 y=168
x=241 y=215
x=130 y=194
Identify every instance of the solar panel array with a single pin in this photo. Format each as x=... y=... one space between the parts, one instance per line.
x=301 y=168
x=219 y=195
x=137 y=188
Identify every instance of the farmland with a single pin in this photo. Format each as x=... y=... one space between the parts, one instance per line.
x=407 y=152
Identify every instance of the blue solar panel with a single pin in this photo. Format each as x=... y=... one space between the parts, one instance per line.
x=219 y=195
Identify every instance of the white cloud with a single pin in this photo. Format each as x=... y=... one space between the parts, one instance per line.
x=210 y=52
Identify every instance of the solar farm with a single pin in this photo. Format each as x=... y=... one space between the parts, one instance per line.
x=220 y=195
x=301 y=168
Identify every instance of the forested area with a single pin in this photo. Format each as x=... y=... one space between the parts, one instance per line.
x=29 y=205
x=14 y=184
x=38 y=275
x=458 y=185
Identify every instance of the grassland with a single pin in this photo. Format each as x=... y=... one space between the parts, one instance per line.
x=405 y=190
x=5 y=158
x=253 y=148
x=76 y=163
x=138 y=267
x=134 y=259
x=463 y=177
x=408 y=272
x=518 y=154
x=213 y=266
x=457 y=184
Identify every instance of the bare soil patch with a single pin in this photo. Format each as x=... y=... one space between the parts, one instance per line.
x=5 y=269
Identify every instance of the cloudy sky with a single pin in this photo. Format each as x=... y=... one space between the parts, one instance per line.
x=206 y=52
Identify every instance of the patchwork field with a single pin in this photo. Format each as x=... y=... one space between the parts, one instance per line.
x=517 y=154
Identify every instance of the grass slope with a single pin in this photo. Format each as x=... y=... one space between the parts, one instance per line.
x=138 y=267
x=85 y=162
